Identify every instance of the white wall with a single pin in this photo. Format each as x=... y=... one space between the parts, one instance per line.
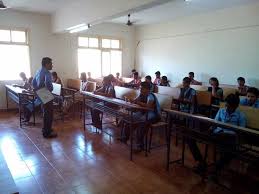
x=62 y=48
x=223 y=43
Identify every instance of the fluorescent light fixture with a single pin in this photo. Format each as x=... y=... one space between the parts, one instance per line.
x=79 y=29
x=77 y=26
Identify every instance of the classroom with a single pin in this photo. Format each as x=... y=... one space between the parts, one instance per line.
x=129 y=97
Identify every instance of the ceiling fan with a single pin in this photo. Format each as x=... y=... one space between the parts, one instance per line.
x=129 y=23
x=2 y=5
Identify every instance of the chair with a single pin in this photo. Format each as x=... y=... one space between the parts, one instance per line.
x=165 y=103
x=204 y=102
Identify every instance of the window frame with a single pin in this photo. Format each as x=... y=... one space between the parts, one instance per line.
x=26 y=43
x=16 y=43
x=101 y=48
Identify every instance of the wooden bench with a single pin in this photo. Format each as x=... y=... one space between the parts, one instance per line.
x=199 y=88
x=74 y=84
x=169 y=91
x=122 y=92
x=227 y=91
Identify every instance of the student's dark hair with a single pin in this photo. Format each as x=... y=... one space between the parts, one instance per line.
x=107 y=79
x=164 y=78
x=158 y=73
x=191 y=73
x=22 y=74
x=214 y=79
x=45 y=61
x=136 y=73
x=54 y=73
x=187 y=79
x=253 y=90
x=146 y=85
x=133 y=70
x=232 y=100
x=148 y=77
x=241 y=79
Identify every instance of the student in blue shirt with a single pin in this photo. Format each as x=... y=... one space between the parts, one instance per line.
x=145 y=99
x=187 y=98
x=227 y=137
x=43 y=79
x=251 y=98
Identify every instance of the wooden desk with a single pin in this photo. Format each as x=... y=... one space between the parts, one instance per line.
x=205 y=136
x=128 y=118
x=21 y=97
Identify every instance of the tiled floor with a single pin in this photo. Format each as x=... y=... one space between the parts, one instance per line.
x=94 y=163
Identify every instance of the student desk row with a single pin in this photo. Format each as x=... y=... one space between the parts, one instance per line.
x=21 y=97
x=191 y=128
x=102 y=104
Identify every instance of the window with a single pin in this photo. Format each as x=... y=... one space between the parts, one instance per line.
x=100 y=56
x=14 y=51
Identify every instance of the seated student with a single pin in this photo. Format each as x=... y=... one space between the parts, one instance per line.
x=132 y=73
x=158 y=78
x=56 y=79
x=135 y=83
x=251 y=98
x=27 y=83
x=164 y=82
x=106 y=90
x=117 y=80
x=193 y=81
x=216 y=91
x=148 y=79
x=90 y=79
x=145 y=99
x=187 y=98
x=227 y=137
x=83 y=79
x=242 y=88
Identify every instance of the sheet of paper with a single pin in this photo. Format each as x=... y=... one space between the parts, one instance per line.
x=45 y=95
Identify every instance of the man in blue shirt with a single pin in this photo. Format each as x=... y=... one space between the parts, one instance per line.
x=226 y=137
x=43 y=79
x=251 y=98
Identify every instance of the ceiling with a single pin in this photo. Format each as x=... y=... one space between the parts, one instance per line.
x=179 y=8
x=39 y=6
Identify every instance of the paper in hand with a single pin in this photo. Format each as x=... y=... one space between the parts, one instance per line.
x=45 y=95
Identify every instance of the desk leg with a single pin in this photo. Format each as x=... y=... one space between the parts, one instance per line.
x=20 y=111
x=33 y=111
x=6 y=94
x=168 y=143
x=131 y=135
x=84 y=112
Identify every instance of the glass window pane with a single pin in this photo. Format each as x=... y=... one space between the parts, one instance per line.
x=18 y=36
x=115 y=44
x=15 y=59
x=106 y=63
x=93 y=42
x=5 y=35
x=116 y=62
x=89 y=60
x=83 y=41
x=106 y=43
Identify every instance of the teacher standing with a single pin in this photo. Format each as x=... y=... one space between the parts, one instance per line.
x=43 y=79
